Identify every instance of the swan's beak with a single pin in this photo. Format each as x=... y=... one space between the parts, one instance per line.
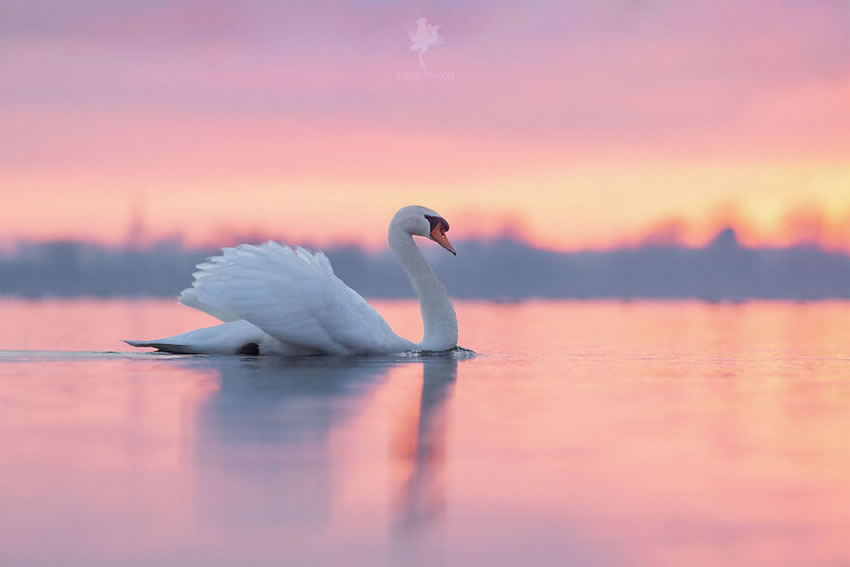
x=440 y=238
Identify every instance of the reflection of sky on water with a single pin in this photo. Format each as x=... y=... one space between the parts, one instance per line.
x=648 y=434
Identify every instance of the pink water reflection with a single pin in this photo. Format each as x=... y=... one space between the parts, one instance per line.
x=583 y=433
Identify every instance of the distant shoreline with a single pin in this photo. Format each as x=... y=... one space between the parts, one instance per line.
x=505 y=270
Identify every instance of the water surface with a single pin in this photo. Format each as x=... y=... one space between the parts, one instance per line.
x=611 y=434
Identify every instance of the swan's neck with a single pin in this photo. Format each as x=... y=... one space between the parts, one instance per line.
x=438 y=314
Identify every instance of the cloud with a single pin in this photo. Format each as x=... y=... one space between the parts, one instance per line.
x=671 y=73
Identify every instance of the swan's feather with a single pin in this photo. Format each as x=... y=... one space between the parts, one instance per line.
x=294 y=296
x=189 y=297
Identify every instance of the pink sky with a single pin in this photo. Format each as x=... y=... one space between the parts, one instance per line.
x=573 y=123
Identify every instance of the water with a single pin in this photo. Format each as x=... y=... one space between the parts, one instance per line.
x=609 y=434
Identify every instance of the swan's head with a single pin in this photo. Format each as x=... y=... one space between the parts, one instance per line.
x=421 y=221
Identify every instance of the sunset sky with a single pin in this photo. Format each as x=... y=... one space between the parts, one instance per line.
x=570 y=124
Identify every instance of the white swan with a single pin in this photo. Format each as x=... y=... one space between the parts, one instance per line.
x=288 y=301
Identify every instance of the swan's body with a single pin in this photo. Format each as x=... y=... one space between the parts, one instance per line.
x=288 y=301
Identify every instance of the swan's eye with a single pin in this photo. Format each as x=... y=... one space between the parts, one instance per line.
x=437 y=221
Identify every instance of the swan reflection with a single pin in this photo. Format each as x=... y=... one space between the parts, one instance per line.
x=267 y=453
x=419 y=447
x=268 y=424
x=276 y=400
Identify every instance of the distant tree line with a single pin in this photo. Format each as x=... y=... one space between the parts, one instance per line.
x=489 y=269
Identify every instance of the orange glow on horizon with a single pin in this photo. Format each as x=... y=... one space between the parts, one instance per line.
x=580 y=207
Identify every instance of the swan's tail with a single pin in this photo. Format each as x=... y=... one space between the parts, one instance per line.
x=237 y=337
x=165 y=346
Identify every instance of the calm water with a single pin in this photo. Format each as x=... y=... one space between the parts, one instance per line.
x=610 y=434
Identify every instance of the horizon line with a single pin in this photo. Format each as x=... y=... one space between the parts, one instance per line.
x=145 y=243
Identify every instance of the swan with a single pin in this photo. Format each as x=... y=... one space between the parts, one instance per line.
x=277 y=300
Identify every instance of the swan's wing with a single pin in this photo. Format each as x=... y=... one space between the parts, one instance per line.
x=293 y=295
x=218 y=307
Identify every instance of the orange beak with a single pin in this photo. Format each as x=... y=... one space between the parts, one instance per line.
x=440 y=238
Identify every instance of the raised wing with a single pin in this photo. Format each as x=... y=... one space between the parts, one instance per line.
x=294 y=296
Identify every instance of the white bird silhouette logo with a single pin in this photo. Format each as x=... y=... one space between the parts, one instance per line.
x=424 y=38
